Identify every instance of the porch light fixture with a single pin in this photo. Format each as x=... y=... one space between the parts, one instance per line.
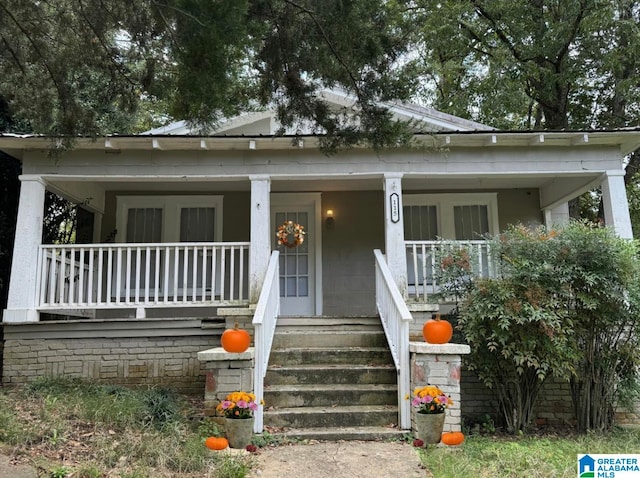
x=329 y=222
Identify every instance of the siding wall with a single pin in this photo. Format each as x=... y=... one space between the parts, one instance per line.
x=348 y=272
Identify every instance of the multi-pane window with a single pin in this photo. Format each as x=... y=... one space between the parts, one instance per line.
x=449 y=216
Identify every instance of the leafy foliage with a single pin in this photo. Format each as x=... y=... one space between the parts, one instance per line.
x=565 y=305
x=516 y=326
x=95 y=65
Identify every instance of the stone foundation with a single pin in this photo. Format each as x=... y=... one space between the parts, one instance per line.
x=553 y=407
x=143 y=352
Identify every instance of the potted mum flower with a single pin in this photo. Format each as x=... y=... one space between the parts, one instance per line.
x=430 y=404
x=237 y=409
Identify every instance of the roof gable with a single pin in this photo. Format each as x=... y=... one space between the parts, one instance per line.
x=425 y=120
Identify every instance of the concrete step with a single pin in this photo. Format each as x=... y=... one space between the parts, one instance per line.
x=340 y=433
x=331 y=355
x=329 y=416
x=314 y=395
x=328 y=321
x=330 y=374
x=323 y=337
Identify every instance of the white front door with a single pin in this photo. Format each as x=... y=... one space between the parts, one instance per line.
x=299 y=266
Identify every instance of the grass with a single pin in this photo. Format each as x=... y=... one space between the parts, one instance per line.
x=535 y=456
x=74 y=429
x=70 y=428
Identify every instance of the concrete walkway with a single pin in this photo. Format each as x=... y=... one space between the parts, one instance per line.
x=346 y=459
x=8 y=470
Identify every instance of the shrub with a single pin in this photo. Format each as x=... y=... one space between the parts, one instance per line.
x=599 y=273
x=565 y=303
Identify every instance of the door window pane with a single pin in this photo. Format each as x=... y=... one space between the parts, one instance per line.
x=294 y=261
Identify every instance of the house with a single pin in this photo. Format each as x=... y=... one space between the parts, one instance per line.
x=182 y=227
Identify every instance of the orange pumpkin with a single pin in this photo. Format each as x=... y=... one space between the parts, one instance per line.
x=437 y=331
x=216 y=443
x=452 y=438
x=235 y=340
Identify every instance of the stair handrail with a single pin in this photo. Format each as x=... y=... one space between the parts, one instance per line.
x=264 y=327
x=395 y=317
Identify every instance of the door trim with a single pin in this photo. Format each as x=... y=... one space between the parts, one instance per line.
x=305 y=199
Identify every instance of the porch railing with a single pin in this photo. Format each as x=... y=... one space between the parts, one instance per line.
x=264 y=327
x=142 y=275
x=425 y=259
x=395 y=317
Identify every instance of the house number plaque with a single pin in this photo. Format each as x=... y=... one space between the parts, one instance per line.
x=395 y=207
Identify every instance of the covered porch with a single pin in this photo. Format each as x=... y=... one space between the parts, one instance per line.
x=199 y=235
x=192 y=228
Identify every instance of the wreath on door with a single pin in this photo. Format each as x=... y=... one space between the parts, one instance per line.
x=290 y=234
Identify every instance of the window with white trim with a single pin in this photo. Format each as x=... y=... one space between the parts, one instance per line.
x=450 y=216
x=429 y=217
x=169 y=218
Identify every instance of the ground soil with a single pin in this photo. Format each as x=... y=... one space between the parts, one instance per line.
x=344 y=459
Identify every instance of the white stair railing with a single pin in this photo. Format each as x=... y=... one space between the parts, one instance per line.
x=395 y=317
x=264 y=327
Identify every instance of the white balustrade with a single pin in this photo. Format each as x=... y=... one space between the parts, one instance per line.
x=142 y=275
x=264 y=327
x=424 y=263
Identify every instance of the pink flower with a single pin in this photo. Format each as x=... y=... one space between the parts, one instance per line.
x=427 y=399
x=227 y=404
x=253 y=406
x=416 y=401
x=242 y=404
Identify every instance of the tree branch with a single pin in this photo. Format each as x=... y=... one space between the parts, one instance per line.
x=329 y=43
x=37 y=51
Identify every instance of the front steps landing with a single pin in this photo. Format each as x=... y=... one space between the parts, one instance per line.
x=331 y=379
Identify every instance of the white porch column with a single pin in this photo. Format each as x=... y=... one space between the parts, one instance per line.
x=616 y=207
x=21 y=303
x=260 y=247
x=394 y=230
x=556 y=216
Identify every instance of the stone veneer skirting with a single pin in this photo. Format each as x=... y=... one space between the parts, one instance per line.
x=125 y=352
x=439 y=365
x=225 y=373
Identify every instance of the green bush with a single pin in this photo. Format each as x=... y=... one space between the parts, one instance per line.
x=565 y=303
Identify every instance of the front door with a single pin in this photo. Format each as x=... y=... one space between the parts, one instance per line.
x=299 y=284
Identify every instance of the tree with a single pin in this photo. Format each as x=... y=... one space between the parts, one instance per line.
x=93 y=64
x=542 y=64
x=572 y=63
